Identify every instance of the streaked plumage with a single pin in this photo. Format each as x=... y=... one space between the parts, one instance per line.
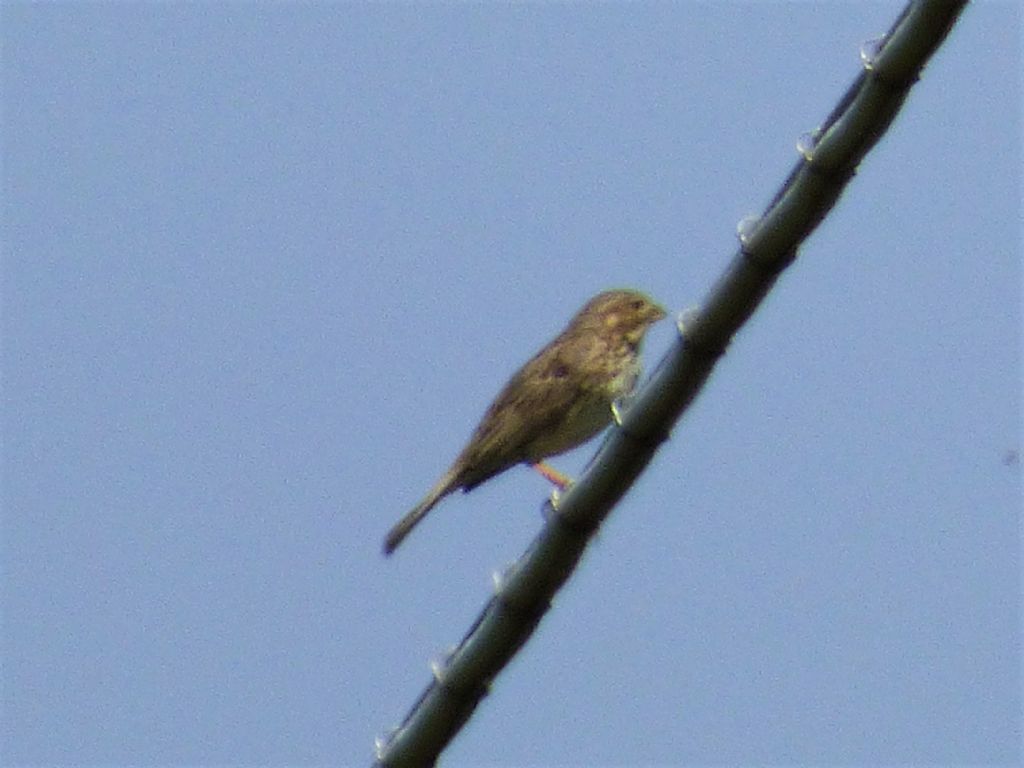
x=558 y=400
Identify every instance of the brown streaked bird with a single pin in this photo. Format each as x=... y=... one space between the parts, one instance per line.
x=560 y=399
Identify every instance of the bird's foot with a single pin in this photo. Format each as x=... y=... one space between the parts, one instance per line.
x=618 y=407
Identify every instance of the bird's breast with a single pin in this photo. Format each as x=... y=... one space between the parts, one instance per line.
x=584 y=419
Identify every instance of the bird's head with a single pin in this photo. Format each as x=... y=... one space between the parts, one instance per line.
x=623 y=312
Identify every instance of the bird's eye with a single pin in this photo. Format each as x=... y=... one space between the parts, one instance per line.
x=637 y=304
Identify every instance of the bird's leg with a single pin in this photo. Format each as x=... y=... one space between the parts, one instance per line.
x=553 y=475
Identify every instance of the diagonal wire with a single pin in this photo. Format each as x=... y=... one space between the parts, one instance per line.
x=768 y=244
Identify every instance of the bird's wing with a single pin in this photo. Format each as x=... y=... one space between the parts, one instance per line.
x=533 y=402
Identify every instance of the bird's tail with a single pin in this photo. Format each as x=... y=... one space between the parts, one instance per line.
x=404 y=526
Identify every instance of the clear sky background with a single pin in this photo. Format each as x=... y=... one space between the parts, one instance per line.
x=264 y=267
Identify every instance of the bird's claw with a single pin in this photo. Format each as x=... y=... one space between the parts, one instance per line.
x=556 y=495
x=617 y=406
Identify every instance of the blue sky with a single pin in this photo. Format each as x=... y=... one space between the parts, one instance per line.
x=264 y=267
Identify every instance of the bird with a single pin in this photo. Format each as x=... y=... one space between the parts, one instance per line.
x=559 y=399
